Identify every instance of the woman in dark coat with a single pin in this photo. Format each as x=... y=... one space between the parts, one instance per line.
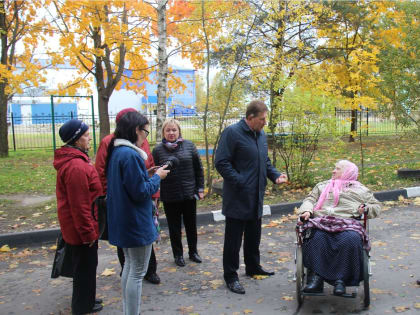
x=77 y=187
x=182 y=188
x=129 y=202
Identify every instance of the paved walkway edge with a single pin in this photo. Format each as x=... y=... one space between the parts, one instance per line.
x=33 y=238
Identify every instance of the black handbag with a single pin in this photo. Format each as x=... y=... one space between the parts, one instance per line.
x=63 y=264
x=100 y=204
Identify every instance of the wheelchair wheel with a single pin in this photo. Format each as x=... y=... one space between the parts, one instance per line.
x=366 y=292
x=300 y=276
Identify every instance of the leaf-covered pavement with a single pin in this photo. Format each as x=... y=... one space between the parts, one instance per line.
x=199 y=288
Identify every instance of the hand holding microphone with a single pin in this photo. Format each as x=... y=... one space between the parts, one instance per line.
x=171 y=163
x=162 y=172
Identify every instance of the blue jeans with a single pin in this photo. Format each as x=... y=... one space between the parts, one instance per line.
x=136 y=262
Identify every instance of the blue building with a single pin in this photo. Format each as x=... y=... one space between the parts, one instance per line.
x=34 y=107
x=182 y=103
x=40 y=113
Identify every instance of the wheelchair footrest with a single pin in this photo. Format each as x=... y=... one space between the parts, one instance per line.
x=313 y=294
x=349 y=295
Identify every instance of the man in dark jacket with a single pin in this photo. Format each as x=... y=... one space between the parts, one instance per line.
x=242 y=160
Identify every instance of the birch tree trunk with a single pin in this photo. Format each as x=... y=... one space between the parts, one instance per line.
x=4 y=145
x=206 y=108
x=162 y=68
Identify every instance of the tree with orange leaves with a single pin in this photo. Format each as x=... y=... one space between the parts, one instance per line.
x=108 y=40
x=21 y=32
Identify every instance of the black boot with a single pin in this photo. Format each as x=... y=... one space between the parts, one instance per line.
x=309 y=275
x=316 y=285
x=339 y=288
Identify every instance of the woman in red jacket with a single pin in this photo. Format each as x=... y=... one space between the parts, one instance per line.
x=78 y=185
x=100 y=163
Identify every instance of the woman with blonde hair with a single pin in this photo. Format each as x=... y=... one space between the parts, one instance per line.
x=181 y=189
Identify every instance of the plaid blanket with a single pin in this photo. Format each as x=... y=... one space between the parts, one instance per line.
x=333 y=225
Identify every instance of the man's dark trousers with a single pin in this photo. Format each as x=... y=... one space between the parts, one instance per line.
x=234 y=229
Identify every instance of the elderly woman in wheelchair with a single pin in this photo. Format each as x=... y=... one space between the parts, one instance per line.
x=333 y=239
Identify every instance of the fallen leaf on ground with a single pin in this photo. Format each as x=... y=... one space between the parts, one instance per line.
x=378 y=291
x=35 y=262
x=215 y=283
x=108 y=272
x=269 y=225
x=5 y=249
x=186 y=309
x=260 y=300
x=417 y=305
x=287 y=298
x=415 y=236
x=378 y=243
x=170 y=270
x=259 y=277
x=400 y=309
x=247 y=311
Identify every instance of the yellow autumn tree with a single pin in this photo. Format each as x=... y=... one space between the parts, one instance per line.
x=198 y=35
x=108 y=41
x=400 y=63
x=22 y=30
x=350 y=50
x=282 y=43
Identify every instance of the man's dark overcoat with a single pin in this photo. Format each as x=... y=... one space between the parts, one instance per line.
x=242 y=160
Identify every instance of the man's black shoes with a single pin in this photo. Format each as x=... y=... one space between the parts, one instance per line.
x=236 y=287
x=95 y=309
x=195 y=258
x=315 y=285
x=98 y=301
x=259 y=272
x=179 y=260
x=339 y=288
x=152 y=278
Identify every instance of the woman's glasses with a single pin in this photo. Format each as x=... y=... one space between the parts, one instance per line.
x=146 y=131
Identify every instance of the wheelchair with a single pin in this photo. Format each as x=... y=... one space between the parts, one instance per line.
x=301 y=272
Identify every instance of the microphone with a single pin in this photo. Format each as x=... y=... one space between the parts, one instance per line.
x=172 y=162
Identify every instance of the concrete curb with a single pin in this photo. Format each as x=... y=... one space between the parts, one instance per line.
x=32 y=238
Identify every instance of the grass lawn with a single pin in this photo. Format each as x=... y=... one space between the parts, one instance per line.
x=32 y=173
x=27 y=172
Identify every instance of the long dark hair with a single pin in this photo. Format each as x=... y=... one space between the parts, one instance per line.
x=126 y=129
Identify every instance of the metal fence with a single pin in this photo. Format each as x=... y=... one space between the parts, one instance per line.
x=370 y=123
x=41 y=131
x=35 y=132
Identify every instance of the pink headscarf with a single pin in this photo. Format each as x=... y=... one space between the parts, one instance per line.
x=349 y=176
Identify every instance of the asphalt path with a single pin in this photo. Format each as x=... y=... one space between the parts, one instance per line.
x=26 y=286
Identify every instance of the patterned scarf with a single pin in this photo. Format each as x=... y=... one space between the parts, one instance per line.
x=171 y=146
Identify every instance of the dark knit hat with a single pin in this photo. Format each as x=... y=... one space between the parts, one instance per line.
x=123 y=112
x=72 y=130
